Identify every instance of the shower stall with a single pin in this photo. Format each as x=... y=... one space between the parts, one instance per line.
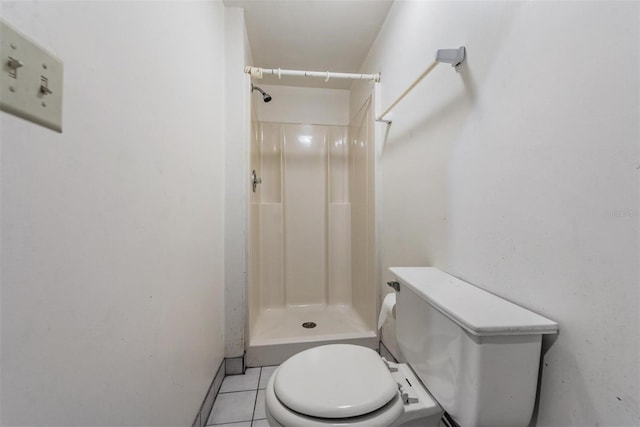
x=311 y=260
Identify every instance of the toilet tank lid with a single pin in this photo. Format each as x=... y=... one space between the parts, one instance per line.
x=478 y=311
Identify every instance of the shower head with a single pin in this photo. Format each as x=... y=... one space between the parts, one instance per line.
x=265 y=96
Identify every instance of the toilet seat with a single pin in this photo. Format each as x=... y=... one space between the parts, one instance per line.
x=335 y=381
x=280 y=415
x=330 y=368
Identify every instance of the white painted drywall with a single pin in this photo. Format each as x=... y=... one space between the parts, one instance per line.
x=519 y=173
x=238 y=128
x=303 y=105
x=113 y=232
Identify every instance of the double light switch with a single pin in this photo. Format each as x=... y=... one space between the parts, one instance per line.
x=31 y=80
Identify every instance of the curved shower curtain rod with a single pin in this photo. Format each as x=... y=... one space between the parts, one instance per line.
x=450 y=56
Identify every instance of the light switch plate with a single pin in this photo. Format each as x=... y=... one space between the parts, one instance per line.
x=31 y=80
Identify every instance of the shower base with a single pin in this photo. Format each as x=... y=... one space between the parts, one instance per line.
x=278 y=334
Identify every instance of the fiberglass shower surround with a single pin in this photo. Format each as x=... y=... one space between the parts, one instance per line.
x=311 y=257
x=299 y=211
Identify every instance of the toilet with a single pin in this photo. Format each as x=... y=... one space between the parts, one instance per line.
x=468 y=352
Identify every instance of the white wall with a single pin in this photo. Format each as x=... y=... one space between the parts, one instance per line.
x=303 y=105
x=112 y=232
x=519 y=173
x=238 y=128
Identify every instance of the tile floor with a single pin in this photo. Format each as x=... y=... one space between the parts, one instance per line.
x=240 y=401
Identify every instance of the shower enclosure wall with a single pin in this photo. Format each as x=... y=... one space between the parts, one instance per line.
x=311 y=260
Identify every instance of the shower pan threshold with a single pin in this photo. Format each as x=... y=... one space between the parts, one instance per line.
x=278 y=333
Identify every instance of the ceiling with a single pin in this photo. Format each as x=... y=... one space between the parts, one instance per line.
x=312 y=35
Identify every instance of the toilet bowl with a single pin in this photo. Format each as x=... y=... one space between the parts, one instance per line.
x=469 y=353
x=347 y=385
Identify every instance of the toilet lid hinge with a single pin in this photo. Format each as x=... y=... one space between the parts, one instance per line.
x=392 y=367
x=408 y=395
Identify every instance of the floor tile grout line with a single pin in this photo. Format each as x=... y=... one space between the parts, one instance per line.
x=255 y=402
x=237 y=391
x=242 y=375
x=232 y=422
x=238 y=421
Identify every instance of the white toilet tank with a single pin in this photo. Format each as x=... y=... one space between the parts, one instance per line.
x=476 y=353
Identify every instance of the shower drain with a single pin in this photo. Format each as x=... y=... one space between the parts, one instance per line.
x=309 y=325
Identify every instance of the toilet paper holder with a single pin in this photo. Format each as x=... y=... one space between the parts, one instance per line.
x=395 y=285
